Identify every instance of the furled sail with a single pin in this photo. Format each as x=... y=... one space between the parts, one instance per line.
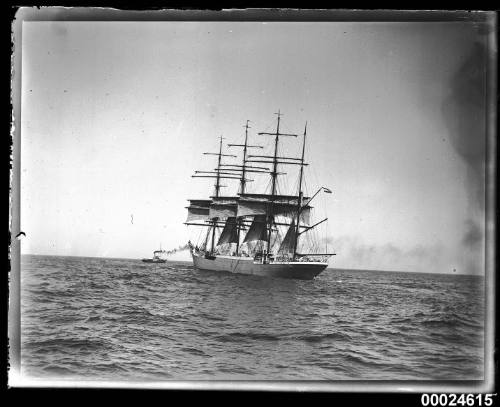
x=225 y=199
x=288 y=243
x=285 y=199
x=229 y=233
x=258 y=230
x=198 y=209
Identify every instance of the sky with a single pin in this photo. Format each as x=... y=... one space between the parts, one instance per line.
x=115 y=117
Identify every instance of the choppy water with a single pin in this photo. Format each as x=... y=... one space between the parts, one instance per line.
x=89 y=318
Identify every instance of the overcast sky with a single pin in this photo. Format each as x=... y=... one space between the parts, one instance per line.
x=116 y=116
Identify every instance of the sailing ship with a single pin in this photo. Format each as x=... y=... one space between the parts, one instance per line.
x=244 y=232
x=156 y=257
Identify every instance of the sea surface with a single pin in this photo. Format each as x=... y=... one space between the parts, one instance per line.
x=119 y=319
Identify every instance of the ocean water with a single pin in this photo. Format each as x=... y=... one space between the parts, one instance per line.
x=118 y=319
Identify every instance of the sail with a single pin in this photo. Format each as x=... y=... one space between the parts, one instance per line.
x=229 y=233
x=255 y=207
x=223 y=207
x=288 y=243
x=222 y=211
x=258 y=230
x=251 y=208
x=203 y=203
x=305 y=216
x=198 y=209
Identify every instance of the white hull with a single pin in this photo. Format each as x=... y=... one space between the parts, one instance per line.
x=247 y=265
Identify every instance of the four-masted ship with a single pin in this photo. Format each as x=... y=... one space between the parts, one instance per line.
x=244 y=231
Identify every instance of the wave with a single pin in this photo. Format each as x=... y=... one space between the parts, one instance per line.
x=53 y=293
x=58 y=370
x=194 y=351
x=97 y=286
x=451 y=322
x=315 y=338
x=247 y=336
x=66 y=343
x=360 y=360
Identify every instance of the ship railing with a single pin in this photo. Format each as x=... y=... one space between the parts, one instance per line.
x=321 y=258
x=283 y=258
x=263 y=257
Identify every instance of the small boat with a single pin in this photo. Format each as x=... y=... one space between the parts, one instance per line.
x=156 y=257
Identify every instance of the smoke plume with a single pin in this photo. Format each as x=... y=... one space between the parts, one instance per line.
x=178 y=249
x=352 y=252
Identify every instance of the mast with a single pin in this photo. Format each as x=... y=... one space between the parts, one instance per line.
x=273 y=186
x=274 y=174
x=217 y=188
x=242 y=183
x=299 y=201
x=243 y=169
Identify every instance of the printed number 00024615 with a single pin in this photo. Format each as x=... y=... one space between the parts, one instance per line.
x=457 y=400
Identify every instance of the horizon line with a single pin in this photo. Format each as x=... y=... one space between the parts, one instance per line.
x=328 y=268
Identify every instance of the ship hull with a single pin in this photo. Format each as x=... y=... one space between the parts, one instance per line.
x=247 y=265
